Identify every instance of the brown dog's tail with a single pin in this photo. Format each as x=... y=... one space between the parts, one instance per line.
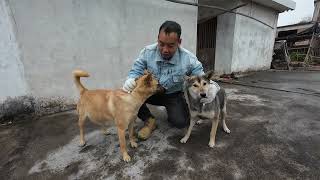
x=76 y=75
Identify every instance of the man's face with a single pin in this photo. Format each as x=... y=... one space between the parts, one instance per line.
x=168 y=44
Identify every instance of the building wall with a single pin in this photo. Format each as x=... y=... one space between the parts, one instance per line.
x=101 y=37
x=11 y=68
x=248 y=44
x=224 y=43
x=316 y=11
x=253 y=43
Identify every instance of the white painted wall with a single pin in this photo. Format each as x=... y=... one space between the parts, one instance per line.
x=253 y=43
x=224 y=43
x=12 y=80
x=248 y=44
x=102 y=37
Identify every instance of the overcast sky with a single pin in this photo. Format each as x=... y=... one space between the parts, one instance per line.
x=304 y=8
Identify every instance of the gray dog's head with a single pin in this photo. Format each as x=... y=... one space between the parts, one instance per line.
x=199 y=86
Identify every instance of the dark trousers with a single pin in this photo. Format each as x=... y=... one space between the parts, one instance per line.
x=175 y=104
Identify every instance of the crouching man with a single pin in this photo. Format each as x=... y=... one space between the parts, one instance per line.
x=169 y=63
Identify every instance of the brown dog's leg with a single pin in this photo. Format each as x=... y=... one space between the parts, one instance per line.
x=123 y=145
x=133 y=139
x=213 y=132
x=81 y=127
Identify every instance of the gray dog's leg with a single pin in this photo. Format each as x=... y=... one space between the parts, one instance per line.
x=186 y=137
x=224 y=114
x=213 y=132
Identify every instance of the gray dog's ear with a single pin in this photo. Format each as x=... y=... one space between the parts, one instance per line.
x=186 y=78
x=209 y=75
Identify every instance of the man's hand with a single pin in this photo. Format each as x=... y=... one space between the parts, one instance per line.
x=129 y=85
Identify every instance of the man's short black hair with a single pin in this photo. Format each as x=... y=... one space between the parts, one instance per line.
x=171 y=26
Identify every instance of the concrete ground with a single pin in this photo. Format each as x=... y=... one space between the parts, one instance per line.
x=274 y=135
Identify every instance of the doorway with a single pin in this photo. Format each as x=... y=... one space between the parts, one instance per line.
x=206 y=43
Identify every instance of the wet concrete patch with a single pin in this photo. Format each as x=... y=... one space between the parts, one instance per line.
x=12 y=108
x=246 y=99
x=29 y=107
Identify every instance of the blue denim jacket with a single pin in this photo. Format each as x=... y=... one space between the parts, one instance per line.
x=169 y=73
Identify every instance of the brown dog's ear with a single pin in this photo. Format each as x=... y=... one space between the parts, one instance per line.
x=148 y=79
x=209 y=75
x=146 y=72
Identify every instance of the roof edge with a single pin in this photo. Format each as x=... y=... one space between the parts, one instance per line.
x=279 y=5
x=297 y=24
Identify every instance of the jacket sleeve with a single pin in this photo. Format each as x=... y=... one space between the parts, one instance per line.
x=139 y=65
x=196 y=66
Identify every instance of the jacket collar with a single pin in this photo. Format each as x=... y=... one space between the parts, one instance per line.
x=173 y=60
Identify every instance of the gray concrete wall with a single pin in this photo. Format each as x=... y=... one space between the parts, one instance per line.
x=316 y=11
x=101 y=37
x=11 y=68
x=224 y=43
x=253 y=45
x=246 y=45
x=208 y=13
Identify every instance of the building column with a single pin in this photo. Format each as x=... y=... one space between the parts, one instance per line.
x=224 y=43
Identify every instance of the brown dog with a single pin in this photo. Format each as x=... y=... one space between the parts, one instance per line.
x=106 y=107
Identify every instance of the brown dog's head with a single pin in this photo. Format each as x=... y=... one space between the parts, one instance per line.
x=148 y=84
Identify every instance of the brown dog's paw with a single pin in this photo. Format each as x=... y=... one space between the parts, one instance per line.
x=126 y=157
x=134 y=144
x=105 y=132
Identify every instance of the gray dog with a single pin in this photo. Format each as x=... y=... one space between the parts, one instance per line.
x=206 y=100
